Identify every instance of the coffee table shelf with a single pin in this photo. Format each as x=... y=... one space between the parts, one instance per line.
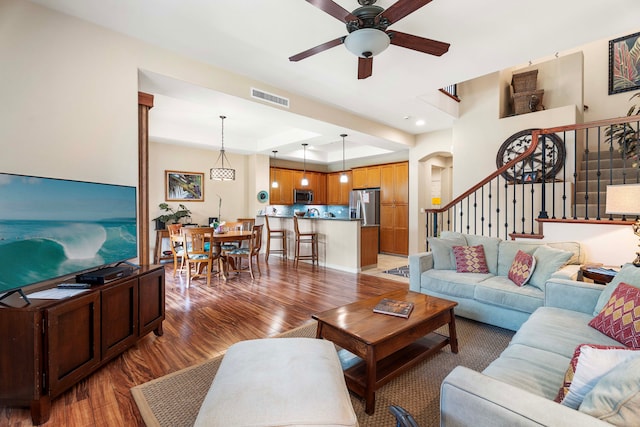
x=380 y=347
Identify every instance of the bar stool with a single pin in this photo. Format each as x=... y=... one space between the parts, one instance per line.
x=277 y=235
x=310 y=237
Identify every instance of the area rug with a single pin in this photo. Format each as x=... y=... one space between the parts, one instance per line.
x=399 y=271
x=174 y=400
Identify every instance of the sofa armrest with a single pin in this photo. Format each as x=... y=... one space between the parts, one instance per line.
x=572 y=295
x=469 y=398
x=418 y=263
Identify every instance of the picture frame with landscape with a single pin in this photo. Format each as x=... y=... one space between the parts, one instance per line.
x=184 y=186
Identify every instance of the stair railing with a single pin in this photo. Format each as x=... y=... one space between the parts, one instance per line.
x=507 y=205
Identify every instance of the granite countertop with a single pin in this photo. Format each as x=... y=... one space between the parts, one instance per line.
x=313 y=217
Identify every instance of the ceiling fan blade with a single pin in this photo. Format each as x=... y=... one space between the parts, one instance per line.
x=409 y=41
x=365 y=67
x=334 y=9
x=402 y=8
x=320 y=48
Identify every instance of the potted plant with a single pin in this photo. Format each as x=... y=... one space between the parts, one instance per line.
x=171 y=215
x=626 y=136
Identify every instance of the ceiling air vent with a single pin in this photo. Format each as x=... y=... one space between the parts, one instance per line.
x=269 y=97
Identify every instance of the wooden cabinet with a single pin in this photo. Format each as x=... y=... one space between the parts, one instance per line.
x=289 y=180
x=283 y=194
x=394 y=208
x=369 y=245
x=318 y=184
x=56 y=343
x=366 y=177
x=338 y=192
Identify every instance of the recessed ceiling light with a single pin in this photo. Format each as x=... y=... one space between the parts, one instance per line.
x=406 y=117
x=419 y=122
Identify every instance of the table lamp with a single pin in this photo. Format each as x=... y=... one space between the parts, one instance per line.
x=625 y=200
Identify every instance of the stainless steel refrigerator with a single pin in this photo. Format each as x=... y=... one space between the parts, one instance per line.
x=365 y=205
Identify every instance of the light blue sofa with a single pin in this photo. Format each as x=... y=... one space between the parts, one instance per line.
x=491 y=298
x=518 y=388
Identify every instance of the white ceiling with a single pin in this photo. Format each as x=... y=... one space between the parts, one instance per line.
x=255 y=38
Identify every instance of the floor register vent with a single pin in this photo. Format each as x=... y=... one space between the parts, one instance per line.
x=269 y=97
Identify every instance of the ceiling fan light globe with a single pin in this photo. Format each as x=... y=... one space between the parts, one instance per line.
x=367 y=42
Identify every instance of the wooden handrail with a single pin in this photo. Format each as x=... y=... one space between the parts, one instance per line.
x=535 y=134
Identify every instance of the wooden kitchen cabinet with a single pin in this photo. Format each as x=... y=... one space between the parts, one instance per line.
x=56 y=343
x=366 y=177
x=318 y=184
x=394 y=208
x=283 y=194
x=338 y=192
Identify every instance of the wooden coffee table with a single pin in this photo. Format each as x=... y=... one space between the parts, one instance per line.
x=386 y=345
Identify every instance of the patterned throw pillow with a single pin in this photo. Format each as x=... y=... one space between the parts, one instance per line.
x=620 y=317
x=470 y=259
x=589 y=363
x=522 y=268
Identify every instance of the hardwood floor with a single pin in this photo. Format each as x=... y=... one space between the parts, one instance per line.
x=202 y=322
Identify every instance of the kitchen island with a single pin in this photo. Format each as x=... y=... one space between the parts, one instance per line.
x=339 y=240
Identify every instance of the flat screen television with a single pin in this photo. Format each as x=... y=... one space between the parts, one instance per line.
x=52 y=228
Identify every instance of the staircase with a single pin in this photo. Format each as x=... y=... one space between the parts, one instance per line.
x=596 y=171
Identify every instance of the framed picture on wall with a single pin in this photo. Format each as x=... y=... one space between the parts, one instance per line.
x=624 y=64
x=184 y=186
x=530 y=177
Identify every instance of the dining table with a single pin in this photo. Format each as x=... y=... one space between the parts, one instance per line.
x=228 y=237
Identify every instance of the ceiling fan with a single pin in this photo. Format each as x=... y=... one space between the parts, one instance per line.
x=368 y=34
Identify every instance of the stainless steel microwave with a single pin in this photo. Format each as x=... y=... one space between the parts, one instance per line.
x=302 y=196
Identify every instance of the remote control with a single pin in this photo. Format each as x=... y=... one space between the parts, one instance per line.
x=73 y=285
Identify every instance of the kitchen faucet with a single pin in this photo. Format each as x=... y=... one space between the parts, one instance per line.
x=311 y=212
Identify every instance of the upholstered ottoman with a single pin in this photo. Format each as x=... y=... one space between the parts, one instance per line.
x=278 y=382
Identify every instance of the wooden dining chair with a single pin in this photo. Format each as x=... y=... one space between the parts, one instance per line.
x=176 y=243
x=253 y=251
x=198 y=253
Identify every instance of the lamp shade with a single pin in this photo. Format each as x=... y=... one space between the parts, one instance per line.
x=367 y=42
x=623 y=199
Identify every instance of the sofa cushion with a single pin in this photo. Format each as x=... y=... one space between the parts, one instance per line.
x=616 y=397
x=522 y=268
x=620 y=317
x=490 y=245
x=448 y=282
x=548 y=261
x=508 y=251
x=531 y=369
x=470 y=259
x=574 y=247
x=559 y=331
x=588 y=365
x=442 y=250
x=501 y=291
x=629 y=274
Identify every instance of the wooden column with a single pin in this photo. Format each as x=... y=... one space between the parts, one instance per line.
x=145 y=103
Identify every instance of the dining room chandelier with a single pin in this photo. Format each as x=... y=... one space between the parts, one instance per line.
x=221 y=173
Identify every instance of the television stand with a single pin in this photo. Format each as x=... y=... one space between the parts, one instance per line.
x=54 y=344
x=19 y=291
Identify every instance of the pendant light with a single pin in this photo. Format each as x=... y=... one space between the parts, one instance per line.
x=222 y=173
x=343 y=178
x=304 y=181
x=274 y=184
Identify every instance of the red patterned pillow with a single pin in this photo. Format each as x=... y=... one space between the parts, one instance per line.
x=620 y=317
x=470 y=259
x=522 y=268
